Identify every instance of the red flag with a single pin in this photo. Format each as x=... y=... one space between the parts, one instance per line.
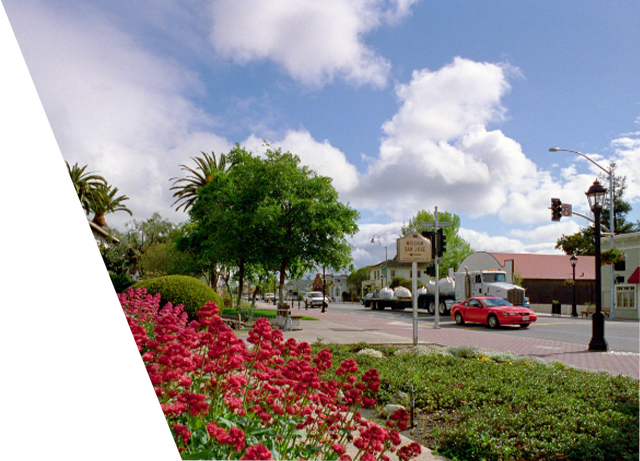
x=17 y=209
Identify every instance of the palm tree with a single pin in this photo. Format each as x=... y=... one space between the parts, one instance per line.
x=70 y=184
x=107 y=202
x=187 y=188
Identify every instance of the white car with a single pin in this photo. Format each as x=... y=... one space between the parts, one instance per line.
x=314 y=299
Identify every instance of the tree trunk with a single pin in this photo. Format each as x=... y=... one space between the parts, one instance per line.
x=99 y=220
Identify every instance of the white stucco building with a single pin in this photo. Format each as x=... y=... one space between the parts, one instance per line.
x=50 y=234
x=626 y=277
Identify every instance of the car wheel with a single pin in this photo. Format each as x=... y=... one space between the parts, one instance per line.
x=443 y=309
x=432 y=308
x=459 y=319
x=492 y=321
x=524 y=325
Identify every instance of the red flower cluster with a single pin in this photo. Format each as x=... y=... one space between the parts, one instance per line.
x=219 y=393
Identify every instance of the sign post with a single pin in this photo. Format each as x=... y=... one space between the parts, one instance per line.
x=414 y=248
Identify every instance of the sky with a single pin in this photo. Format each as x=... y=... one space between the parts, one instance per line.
x=406 y=104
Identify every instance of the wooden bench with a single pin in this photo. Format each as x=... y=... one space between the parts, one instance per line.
x=590 y=310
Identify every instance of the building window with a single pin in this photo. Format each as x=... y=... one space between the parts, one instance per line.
x=393 y=273
x=626 y=297
x=418 y=274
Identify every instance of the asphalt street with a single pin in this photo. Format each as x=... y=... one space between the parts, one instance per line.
x=563 y=339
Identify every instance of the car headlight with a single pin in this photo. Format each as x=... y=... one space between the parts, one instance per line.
x=509 y=314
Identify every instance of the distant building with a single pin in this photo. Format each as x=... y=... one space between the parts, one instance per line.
x=36 y=229
x=377 y=280
x=626 y=276
x=544 y=277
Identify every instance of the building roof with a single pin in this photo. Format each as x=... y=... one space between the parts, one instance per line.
x=13 y=187
x=548 y=267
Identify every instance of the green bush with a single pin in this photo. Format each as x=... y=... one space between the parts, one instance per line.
x=181 y=289
x=52 y=293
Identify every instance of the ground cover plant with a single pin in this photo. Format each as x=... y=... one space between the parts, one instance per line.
x=474 y=405
x=268 y=399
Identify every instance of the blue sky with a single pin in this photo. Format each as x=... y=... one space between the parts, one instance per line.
x=407 y=104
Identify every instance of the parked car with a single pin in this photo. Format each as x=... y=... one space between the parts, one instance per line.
x=315 y=299
x=492 y=311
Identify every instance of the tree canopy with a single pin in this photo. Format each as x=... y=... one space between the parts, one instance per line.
x=274 y=212
x=582 y=242
x=457 y=247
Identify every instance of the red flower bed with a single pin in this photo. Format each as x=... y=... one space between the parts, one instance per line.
x=268 y=399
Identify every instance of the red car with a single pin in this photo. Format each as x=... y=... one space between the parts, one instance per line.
x=492 y=311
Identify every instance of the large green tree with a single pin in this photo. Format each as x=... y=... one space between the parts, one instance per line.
x=457 y=247
x=273 y=212
x=582 y=242
x=306 y=224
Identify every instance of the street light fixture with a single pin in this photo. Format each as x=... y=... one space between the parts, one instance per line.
x=596 y=195
x=373 y=240
x=609 y=172
x=574 y=261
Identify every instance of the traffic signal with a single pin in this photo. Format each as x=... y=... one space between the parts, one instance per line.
x=556 y=209
x=431 y=270
x=442 y=242
x=432 y=238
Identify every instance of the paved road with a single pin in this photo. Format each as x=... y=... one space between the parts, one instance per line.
x=351 y=323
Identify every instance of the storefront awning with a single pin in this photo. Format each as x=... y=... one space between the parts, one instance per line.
x=635 y=277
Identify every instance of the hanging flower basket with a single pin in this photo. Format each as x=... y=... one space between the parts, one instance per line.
x=612 y=256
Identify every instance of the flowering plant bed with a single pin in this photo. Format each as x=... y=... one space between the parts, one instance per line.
x=269 y=399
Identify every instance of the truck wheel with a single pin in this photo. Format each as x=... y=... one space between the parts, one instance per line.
x=492 y=321
x=459 y=319
x=374 y=305
x=443 y=309
x=432 y=308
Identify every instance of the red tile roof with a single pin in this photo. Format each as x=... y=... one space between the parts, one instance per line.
x=549 y=267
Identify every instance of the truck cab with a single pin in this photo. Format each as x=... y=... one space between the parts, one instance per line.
x=487 y=283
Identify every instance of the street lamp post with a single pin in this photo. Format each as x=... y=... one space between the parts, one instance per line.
x=373 y=240
x=596 y=195
x=574 y=261
x=612 y=227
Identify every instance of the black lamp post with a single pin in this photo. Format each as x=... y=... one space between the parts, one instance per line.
x=574 y=261
x=596 y=195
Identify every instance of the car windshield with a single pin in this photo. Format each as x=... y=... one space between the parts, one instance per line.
x=314 y=294
x=493 y=278
x=493 y=302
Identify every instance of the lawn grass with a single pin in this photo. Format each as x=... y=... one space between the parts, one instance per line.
x=257 y=313
x=482 y=406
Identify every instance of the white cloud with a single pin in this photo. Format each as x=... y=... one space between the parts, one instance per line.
x=314 y=42
x=322 y=157
x=627 y=159
x=438 y=150
x=113 y=105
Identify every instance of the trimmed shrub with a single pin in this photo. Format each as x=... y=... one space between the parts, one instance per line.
x=52 y=293
x=181 y=289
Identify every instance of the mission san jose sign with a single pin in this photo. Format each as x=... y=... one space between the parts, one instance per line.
x=414 y=248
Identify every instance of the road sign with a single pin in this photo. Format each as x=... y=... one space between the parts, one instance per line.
x=432 y=224
x=566 y=209
x=414 y=248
